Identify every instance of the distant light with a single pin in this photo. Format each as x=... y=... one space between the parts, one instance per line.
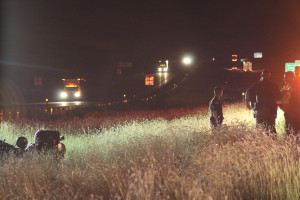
x=243 y=93
x=124 y=95
x=213 y=59
x=258 y=55
x=77 y=94
x=165 y=69
x=187 y=60
x=234 y=58
x=160 y=69
x=63 y=95
x=46 y=100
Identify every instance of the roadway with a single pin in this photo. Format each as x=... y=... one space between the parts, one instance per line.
x=58 y=104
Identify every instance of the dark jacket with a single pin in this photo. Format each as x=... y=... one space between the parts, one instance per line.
x=216 y=111
x=263 y=96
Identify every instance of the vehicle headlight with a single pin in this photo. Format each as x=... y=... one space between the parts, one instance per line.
x=77 y=94
x=63 y=95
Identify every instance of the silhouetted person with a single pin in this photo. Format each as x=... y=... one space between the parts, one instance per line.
x=294 y=113
x=261 y=97
x=284 y=102
x=215 y=108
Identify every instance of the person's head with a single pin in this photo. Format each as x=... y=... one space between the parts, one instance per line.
x=218 y=92
x=265 y=74
x=289 y=77
x=21 y=142
x=297 y=71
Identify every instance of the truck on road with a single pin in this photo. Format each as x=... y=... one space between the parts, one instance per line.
x=72 y=89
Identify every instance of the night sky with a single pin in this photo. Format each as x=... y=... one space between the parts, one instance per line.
x=92 y=36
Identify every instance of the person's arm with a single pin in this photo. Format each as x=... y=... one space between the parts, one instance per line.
x=212 y=119
x=278 y=96
x=250 y=97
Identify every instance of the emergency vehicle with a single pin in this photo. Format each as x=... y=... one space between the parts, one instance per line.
x=72 y=89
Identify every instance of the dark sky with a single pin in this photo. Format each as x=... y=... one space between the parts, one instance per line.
x=93 y=35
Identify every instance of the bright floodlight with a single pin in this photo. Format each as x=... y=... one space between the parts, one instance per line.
x=187 y=60
x=63 y=95
x=77 y=94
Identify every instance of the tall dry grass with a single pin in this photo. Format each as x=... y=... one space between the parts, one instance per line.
x=140 y=155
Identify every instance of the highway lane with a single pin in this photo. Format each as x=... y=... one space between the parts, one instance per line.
x=61 y=104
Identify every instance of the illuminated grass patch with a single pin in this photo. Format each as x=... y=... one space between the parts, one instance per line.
x=156 y=155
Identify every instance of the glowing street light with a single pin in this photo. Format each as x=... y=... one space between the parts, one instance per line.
x=187 y=60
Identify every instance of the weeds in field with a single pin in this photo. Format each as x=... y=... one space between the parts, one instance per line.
x=142 y=155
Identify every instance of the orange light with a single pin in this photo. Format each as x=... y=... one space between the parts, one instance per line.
x=234 y=58
x=149 y=80
x=71 y=85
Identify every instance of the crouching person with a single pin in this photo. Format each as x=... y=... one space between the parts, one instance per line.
x=48 y=141
x=215 y=108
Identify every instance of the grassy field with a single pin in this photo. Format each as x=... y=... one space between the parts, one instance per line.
x=168 y=154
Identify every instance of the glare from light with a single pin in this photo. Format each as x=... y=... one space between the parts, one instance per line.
x=77 y=94
x=187 y=60
x=165 y=69
x=63 y=95
x=160 y=69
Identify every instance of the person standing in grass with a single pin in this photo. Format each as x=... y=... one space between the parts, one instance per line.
x=216 y=109
x=284 y=102
x=262 y=98
x=294 y=112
